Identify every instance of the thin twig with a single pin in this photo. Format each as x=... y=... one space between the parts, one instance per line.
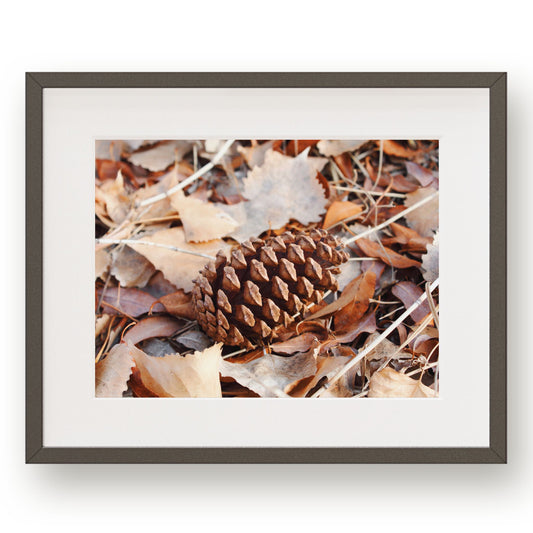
x=373 y=193
x=394 y=218
x=373 y=344
x=190 y=179
x=432 y=306
x=156 y=244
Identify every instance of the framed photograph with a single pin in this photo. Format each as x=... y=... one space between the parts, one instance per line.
x=246 y=267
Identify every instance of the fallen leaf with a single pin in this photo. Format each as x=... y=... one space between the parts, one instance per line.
x=338 y=211
x=333 y=148
x=425 y=219
x=113 y=372
x=179 y=304
x=361 y=289
x=130 y=268
x=409 y=239
x=346 y=165
x=283 y=188
x=396 y=149
x=153 y=326
x=408 y=293
x=202 y=221
x=178 y=268
x=116 y=199
x=423 y=175
x=255 y=155
x=388 y=256
x=356 y=293
x=176 y=376
x=195 y=340
x=271 y=375
x=128 y=301
x=388 y=383
x=301 y=343
x=384 y=350
x=161 y=156
x=348 y=272
x=430 y=261
x=102 y=260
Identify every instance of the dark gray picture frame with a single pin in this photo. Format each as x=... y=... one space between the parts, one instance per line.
x=36 y=452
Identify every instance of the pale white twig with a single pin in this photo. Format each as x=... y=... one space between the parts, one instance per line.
x=373 y=344
x=156 y=244
x=373 y=193
x=392 y=219
x=190 y=179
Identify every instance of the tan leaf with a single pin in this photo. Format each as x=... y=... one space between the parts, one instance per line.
x=283 y=188
x=271 y=375
x=301 y=343
x=163 y=207
x=161 y=156
x=388 y=383
x=255 y=154
x=113 y=372
x=425 y=219
x=202 y=221
x=176 y=376
x=430 y=261
x=384 y=350
x=334 y=148
x=349 y=271
x=178 y=268
x=130 y=268
x=338 y=211
x=179 y=304
x=116 y=198
x=102 y=260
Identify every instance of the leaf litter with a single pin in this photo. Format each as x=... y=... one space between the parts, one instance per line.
x=148 y=342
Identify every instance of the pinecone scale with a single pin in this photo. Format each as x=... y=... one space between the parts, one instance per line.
x=249 y=296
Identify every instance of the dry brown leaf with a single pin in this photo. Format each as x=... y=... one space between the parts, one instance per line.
x=408 y=293
x=153 y=326
x=430 y=261
x=179 y=304
x=113 y=372
x=425 y=219
x=384 y=350
x=361 y=289
x=396 y=149
x=127 y=301
x=130 y=268
x=178 y=268
x=349 y=271
x=255 y=154
x=161 y=156
x=176 y=376
x=102 y=260
x=333 y=148
x=388 y=383
x=271 y=375
x=301 y=343
x=388 y=256
x=116 y=199
x=202 y=221
x=283 y=188
x=338 y=211
x=355 y=293
x=423 y=175
x=161 y=208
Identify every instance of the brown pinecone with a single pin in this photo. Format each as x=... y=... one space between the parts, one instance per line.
x=255 y=292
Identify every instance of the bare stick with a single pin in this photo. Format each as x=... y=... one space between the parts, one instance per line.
x=190 y=179
x=158 y=245
x=372 y=193
x=392 y=219
x=373 y=344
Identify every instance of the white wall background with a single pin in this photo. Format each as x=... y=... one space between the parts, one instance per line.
x=370 y=36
